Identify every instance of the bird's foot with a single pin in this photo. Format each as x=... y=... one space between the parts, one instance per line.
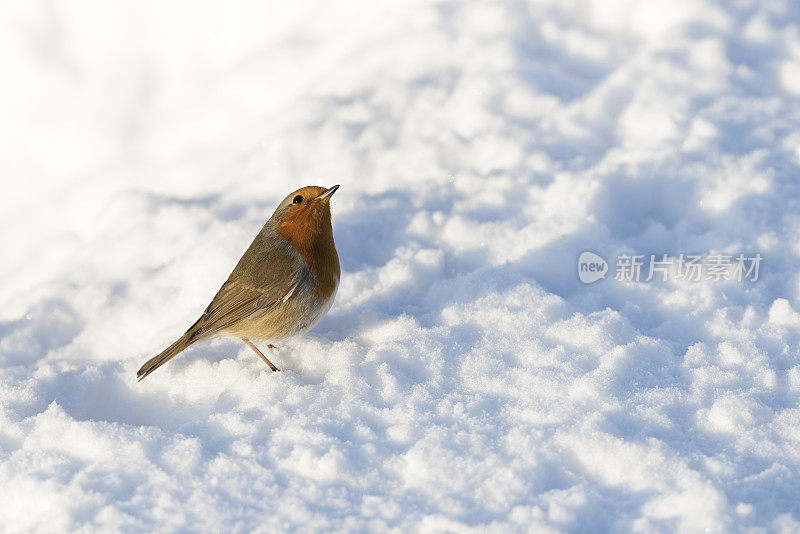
x=250 y=344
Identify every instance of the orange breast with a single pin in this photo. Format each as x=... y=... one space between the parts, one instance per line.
x=310 y=232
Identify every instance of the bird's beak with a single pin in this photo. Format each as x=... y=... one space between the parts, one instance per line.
x=327 y=193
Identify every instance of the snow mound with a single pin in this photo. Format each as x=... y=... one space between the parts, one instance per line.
x=465 y=379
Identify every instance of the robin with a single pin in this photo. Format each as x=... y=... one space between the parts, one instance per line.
x=283 y=285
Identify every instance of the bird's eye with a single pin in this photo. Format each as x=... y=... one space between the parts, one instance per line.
x=298 y=199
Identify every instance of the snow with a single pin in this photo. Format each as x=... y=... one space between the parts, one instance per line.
x=465 y=379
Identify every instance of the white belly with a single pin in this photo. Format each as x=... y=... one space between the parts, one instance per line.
x=315 y=314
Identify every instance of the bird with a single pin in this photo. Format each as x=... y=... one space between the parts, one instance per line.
x=283 y=285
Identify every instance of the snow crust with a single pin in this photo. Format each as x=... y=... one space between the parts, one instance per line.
x=464 y=380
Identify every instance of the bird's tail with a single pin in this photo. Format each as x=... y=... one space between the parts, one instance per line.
x=170 y=352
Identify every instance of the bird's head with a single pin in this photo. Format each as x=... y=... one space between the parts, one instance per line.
x=305 y=214
x=303 y=218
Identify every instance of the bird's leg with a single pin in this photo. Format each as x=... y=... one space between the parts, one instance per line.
x=250 y=344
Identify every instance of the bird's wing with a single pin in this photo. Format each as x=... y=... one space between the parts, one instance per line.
x=266 y=275
x=236 y=301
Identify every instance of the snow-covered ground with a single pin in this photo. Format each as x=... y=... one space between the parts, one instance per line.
x=465 y=379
